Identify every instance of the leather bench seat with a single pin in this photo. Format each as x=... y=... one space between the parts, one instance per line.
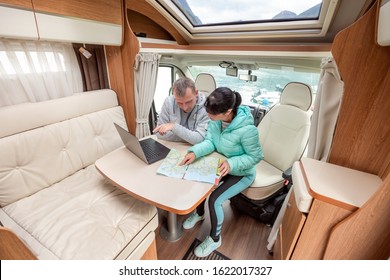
x=51 y=194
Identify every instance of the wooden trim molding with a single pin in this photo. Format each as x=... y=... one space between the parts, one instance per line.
x=225 y=47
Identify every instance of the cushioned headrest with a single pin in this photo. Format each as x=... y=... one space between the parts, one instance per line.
x=25 y=116
x=297 y=94
x=205 y=83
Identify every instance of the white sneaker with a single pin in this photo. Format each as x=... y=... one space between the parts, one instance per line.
x=191 y=221
x=207 y=247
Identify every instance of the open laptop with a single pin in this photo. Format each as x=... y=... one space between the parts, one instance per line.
x=149 y=150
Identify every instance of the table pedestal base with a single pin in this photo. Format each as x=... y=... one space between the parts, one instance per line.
x=171 y=231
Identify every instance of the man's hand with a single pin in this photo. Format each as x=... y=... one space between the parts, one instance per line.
x=164 y=128
x=188 y=158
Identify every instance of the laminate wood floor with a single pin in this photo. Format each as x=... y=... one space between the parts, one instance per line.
x=243 y=237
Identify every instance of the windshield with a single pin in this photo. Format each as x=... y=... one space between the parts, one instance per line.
x=268 y=86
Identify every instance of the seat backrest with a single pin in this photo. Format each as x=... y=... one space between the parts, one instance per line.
x=284 y=130
x=205 y=83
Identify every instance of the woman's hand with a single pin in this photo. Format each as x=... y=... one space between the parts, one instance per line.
x=188 y=158
x=224 y=168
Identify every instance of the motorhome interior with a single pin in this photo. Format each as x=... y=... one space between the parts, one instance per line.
x=69 y=69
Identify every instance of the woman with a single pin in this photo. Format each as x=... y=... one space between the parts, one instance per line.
x=231 y=132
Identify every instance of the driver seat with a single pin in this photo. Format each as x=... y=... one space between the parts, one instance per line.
x=205 y=83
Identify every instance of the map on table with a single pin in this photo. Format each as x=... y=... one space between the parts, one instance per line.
x=204 y=169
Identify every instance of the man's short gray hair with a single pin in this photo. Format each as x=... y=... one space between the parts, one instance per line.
x=180 y=86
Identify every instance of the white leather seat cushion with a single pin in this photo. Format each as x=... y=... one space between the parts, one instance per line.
x=268 y=180
x=35 y=159
x=283 y=132
x=27 y=116
x=83 y=217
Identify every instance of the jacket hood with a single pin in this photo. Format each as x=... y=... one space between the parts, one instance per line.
x=201 y=100
x=243 y=118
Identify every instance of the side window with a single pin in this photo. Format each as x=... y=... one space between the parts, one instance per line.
x=165 y=79
x=164 y=83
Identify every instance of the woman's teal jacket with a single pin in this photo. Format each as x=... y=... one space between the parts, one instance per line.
x=239 y=143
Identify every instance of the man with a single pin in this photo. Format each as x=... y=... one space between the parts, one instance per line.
x=183 y=116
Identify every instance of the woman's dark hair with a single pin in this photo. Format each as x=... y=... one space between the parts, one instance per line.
x=221 y=100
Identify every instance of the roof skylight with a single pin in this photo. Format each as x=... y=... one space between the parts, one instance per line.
x=220 y=12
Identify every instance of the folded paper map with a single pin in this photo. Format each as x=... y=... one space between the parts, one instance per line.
x=204 y=169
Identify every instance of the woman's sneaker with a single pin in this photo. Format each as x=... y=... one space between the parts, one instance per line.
x=191 y=221
x=207 y=247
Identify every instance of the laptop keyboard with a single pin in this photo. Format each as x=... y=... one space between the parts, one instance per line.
x=150 y=149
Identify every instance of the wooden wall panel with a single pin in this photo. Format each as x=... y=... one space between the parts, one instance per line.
x=364 y=235
x=120 y=62
x=99 y=10
x=314 y=237
x=362 y=137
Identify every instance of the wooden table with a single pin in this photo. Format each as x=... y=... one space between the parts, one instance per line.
x=130 y=174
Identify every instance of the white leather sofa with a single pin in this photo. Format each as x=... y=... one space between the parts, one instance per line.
x=52 y=196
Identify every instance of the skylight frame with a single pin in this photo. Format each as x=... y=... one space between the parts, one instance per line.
x=258 y=29
x=241 y=22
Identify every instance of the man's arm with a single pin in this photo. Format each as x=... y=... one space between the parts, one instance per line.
x=193 y=136
x=165 y=118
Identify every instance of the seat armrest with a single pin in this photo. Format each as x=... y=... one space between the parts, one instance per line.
x=287 y=174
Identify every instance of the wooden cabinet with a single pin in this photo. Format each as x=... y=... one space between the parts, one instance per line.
x=17 y=20
x=337 y=193
x=109 y=11
x=291 y=228
x=86 y=21
x=26 y=4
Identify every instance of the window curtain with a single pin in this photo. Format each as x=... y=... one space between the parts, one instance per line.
x=93 y=69
x=33 y=71
x=145 y=76
x=326 y=109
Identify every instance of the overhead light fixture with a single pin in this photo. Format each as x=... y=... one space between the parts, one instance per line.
x=84 y=52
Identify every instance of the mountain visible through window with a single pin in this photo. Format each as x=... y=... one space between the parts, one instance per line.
x=219 y=12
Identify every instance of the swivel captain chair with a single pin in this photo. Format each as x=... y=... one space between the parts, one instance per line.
x=284 y=133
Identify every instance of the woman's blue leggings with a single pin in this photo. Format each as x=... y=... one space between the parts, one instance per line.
x=231 y=186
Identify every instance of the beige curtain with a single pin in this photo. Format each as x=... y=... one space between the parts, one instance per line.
x=326 y=110
x=34 y=71
x=145 y=74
